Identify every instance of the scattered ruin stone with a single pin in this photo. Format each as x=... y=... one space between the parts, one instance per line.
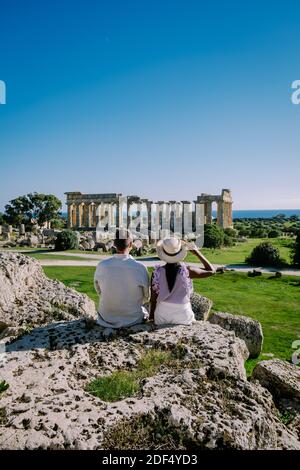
x=281 y=378
x=254 y=273
x=201 y=306
x=244 y=327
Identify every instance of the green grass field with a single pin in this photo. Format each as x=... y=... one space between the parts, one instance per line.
x=238 y=253
x=275 y=303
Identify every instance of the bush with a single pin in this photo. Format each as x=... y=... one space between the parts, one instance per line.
x=296 y=251
x=258 y=232
x=66 y=240
x=231 y=232
x=228 y=241
x=213 y=236
x=265 y=254
x=274 y=233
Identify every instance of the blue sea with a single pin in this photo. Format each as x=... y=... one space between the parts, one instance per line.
x=253 y=213
x=263 y=214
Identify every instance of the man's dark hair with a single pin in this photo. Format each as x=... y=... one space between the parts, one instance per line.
x=123 y=239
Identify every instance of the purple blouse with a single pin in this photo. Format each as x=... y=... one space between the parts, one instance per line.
x=182 y=289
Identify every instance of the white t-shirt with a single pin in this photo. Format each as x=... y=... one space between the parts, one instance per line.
x=124 y=287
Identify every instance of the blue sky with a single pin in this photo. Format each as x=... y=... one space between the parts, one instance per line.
x=165 y=99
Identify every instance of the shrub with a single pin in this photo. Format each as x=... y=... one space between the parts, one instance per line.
x=274 y=233
x=258 y=232
x=213 y=236
x=296 y=251
x=228 y=241
x=265 y=254
x=231 y=232
x=66 y=240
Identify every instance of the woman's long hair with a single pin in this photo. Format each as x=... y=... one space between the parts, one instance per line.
x=171 y=273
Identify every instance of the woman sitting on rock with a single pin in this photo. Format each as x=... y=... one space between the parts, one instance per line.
x=171 y=284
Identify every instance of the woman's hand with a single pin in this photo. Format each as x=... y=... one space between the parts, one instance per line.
x=192 y=247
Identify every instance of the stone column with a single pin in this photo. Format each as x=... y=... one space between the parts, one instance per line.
x=90 y=214
x=111 y=215
x=155 y=221
x=78 y=219
x=139 y=216
x=128 y=222
x=220 y=214
x=70 y=216
x=149 y=218
x=230 y=218
x=187 y=223
x=98 y=215
x=208 y=212
x=166 y=220
x=120 y=205
x=160 y=217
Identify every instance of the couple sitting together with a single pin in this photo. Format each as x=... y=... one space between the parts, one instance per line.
x=125 y=288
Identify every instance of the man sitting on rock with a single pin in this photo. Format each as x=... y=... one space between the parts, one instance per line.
x=124 y=286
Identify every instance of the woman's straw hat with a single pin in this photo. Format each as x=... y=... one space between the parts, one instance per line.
x=171 y=250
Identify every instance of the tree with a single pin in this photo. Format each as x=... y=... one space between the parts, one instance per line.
x=296 y=251
x=2 y=218
x=66 y=240
x=274 y=233
x=213 y=236
x=231 y=232
x=265 y=254
x=40 y=207
x=258 y=232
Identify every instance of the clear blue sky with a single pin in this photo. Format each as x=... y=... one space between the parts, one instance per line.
x=165 y=99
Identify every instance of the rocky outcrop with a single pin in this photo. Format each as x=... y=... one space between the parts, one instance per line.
x=201 y=306
x=283 y=382
x=244 y=327
x=203 y=400
x=28 y=298
x=280 y=378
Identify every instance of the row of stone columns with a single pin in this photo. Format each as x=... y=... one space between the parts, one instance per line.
x=172 y=215
x=109 y=215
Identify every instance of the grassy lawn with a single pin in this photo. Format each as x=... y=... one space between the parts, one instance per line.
x=275 y=303
x=238 y=253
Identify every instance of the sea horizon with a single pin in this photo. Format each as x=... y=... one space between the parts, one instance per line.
x=251 y=213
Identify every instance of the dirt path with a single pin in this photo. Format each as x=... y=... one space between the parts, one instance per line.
x=89 y=260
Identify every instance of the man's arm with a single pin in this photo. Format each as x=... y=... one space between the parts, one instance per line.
x=146 y=290
x=96 y=281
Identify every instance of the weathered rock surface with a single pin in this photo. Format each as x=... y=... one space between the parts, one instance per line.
x=201 y=306
x=29 y=298
x=244 y=327
x=281 y=378
x=204 y=402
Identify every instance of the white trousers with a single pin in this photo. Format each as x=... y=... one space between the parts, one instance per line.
x=173 y=314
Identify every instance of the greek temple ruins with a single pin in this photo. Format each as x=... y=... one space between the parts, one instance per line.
x=106 y=212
